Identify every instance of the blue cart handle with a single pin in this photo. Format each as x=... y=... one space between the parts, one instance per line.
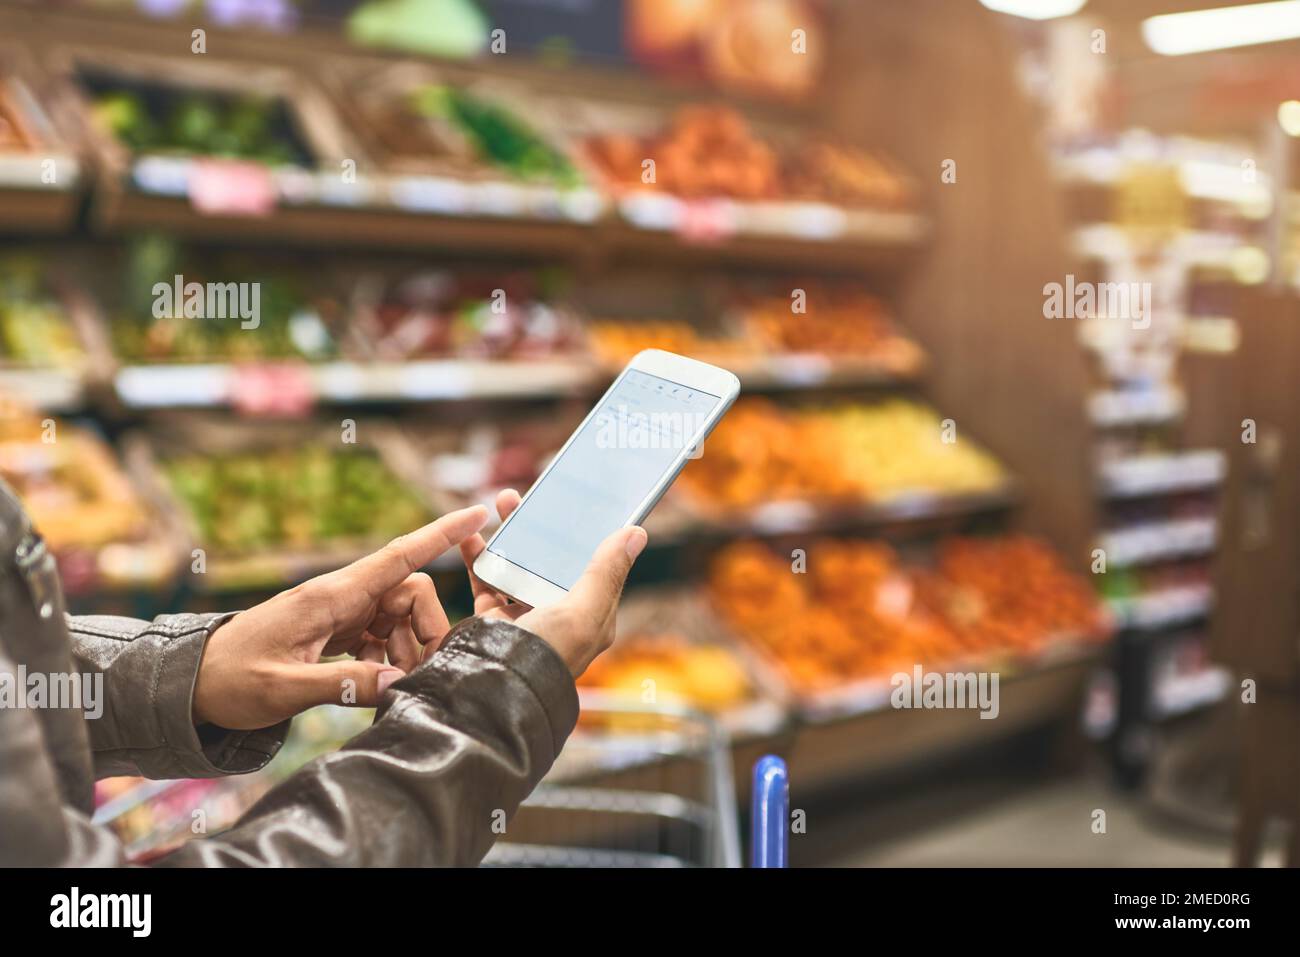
x=770 y=813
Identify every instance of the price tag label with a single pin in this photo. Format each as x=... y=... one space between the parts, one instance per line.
x=431 y=194
x=801 y=369
x=272 y=389
x=706 y=221
x=778 y=517
x=165 y=385
x=435 y=380
x=231 y=188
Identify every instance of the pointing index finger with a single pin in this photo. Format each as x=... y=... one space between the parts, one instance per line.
x=390 y=566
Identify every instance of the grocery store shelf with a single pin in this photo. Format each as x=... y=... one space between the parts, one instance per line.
x=1181 y=695
x=36 y=210
x=782 y=518
x=1105 y=242
x=868 y=697
x=52 y=390
x=1146 y=543
x=841 y=750
x=220 y=384
x=1111 y=408
x=814 y=370
x=879 y=239
x=201 y=385
x=785 y=517
x=1163 y=473
x=1164 y=607
x=1203 y=178
x=334 y=226
x=882 y=239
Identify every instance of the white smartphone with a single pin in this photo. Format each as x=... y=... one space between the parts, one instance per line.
x=610 y=473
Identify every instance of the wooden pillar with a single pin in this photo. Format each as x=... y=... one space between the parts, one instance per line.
x=932 y=80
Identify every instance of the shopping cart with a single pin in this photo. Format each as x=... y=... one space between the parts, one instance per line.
x=642 y=785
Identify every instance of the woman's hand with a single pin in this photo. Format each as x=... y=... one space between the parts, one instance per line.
x=581 y=625
x=264 y=664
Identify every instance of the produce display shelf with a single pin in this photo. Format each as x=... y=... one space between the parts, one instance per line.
x=782 y=518
x=881 y=243
x=873 y=695
x=315 y=225
x=849 y=747
x=199 y=385
x=779 y=518
x=816 y=370
x=36 y=210
x=179 y=385
x=52 y=390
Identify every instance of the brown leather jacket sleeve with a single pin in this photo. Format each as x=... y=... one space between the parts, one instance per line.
x=147 y=726
x=456 y=745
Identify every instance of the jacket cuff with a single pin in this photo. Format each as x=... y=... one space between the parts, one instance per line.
x=532 y=660
x=148 y=725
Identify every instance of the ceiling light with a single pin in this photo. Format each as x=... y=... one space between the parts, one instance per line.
x=1196 y=31
x=1288 y=117
x=1036 y=9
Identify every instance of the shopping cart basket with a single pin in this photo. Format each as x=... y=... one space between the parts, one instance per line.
x=637 y=785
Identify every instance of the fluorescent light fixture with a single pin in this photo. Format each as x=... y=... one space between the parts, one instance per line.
x=1196 y=31
x=1036 y=9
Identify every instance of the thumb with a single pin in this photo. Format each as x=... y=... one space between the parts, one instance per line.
x=354 y=683
x=601 y=584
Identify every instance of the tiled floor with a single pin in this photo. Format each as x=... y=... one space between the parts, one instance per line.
x=1002 y=819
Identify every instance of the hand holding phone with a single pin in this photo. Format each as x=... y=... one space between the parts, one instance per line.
x=609 y=474
x=582 y=625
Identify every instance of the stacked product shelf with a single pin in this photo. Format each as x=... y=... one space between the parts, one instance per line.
x=1177 y=217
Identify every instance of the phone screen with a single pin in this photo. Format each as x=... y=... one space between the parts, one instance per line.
x=614 y=462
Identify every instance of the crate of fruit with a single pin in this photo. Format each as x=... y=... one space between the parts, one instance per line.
x=273 y=502
x=706 y=172
x=103 y=532
x=232 y=139
x=182 y=327
x=412 y=314
x=835 y=621
x=451 y=144
x=39 y=165
x=669 y=650
x=777 y=468
x=49 y=345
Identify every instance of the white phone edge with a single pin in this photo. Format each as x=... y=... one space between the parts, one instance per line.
x=521 y=584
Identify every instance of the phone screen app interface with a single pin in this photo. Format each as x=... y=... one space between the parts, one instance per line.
x=613 y=463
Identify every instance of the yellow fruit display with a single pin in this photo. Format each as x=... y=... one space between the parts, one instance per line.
x=665 y=668
x=763 y=453
x=897 y=447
